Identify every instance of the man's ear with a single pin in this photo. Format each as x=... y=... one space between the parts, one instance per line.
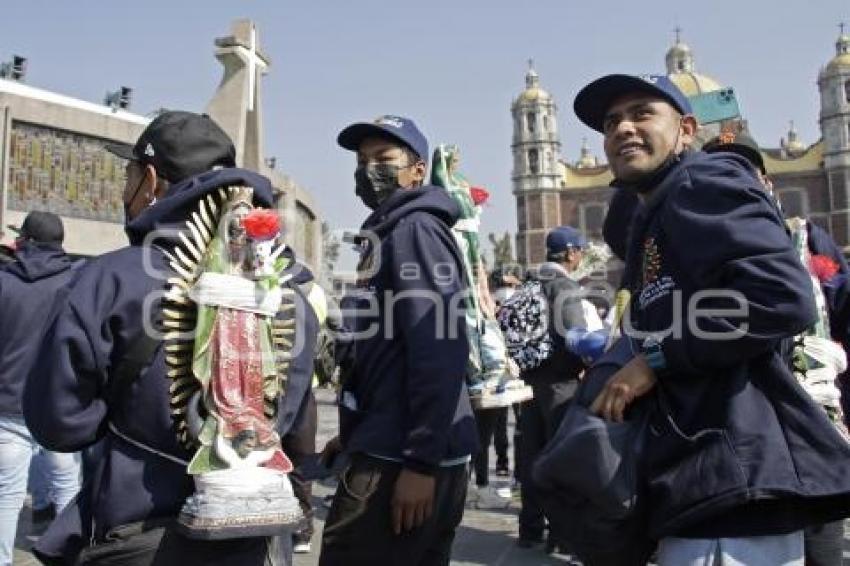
x=688 y=130
x=151 y=187
x=419 y=171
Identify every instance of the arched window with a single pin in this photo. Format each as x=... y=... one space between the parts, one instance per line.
x=533 y=161
x=545 y=123
x=847 y=91
x=549 y=164
x=531 y=119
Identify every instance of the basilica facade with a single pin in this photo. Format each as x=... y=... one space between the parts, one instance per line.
x=811 y=181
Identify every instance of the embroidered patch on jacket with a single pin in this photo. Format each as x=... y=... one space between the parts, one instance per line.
x=655 y=285
x=651 y=261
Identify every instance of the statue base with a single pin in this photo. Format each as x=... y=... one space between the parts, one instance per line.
x=250 y=502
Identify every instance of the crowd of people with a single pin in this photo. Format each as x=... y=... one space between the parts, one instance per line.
x=721 y=357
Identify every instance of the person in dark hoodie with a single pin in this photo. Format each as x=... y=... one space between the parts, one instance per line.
x=823 y=543
x=40 y=271
x=405 y=417
x=739 y=458
x=100 y=382
x=555 y=380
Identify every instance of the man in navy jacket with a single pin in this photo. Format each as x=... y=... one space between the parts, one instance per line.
x=41 y=270
x=740 y=459
x=405 y=416
x=135 y=479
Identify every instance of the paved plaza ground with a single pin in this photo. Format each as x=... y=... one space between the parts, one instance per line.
x=484 y=538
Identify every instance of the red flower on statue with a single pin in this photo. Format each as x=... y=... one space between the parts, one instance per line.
x=824 y=267
x=261 y=224
x=479 y=195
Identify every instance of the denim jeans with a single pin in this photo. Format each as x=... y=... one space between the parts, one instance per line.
x=779 y=550
x=17 y=448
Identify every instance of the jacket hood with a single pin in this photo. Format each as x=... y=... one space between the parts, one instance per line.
x=182 y=198
x=430 y=199
x=37 y=260
x=551 y=270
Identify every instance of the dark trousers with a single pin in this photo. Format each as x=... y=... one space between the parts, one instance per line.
x=135 y=545
x=539 y=419
x=487 y=422
x=358 y=531
x=298 y=444
x=500 y=438
x=823 y=544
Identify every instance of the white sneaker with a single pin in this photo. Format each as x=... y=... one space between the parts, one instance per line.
x=504 y=492
x=301 y=548
x=487 y=497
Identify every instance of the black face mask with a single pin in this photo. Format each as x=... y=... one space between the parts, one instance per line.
x=375 y=183
x=127 y=218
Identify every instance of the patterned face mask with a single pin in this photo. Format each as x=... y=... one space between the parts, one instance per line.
x=374 y=183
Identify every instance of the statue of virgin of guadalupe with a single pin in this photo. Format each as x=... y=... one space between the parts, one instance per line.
x=240 y=469
x=233 y=356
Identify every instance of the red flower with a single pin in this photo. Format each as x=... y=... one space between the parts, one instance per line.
x=479 y=195
x=261 y=224
x=824 y=267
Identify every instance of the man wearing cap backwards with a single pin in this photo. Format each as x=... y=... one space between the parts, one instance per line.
x=100 y=384
x=27 y=287
x=405 y=417
x=739 y=459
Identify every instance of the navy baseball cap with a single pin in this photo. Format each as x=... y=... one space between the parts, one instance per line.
x=593 y=101
x=395 y=127
x=562 y=238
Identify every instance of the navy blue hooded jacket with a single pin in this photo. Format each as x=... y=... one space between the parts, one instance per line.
x=68 y=404
x=405 y=355
x=27 y=289
x=737 y=448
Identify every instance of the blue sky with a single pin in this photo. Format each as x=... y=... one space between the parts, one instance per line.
x=452 y=66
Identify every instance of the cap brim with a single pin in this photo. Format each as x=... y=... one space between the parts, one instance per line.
x=593 y=101
x=121 y=150
x=745 y=151
x=352 y=136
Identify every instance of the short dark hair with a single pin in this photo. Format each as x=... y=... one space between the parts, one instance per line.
x=412 y=156
x=562 y=255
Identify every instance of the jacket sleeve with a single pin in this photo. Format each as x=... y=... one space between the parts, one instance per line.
x=730 y=243
x=564 y=296
x=63 y=403
x=428 y=313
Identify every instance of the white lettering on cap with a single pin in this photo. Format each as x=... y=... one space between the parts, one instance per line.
x=149 y=150
x=393 y=121
x=652 y=79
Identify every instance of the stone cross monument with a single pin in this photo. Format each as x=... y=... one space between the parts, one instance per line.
x=236 y=106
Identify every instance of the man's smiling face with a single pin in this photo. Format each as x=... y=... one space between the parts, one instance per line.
x=641 y=131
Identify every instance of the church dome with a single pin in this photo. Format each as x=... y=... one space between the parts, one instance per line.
x=792 y=144
x=533 y=92
x=680 y=70
x=586 y=159
x=842 y=54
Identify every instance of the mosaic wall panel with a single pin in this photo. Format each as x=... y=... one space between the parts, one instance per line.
x=64 y=172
